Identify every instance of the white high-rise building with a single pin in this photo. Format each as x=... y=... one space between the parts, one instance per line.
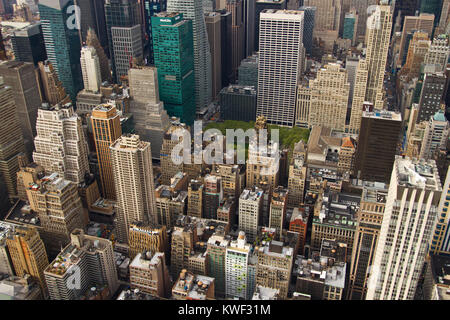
x=436 y=135
x=439 y=52
x=236 y=268
x=60 y=143
x=133 y=178
x=193 y=10
x=250 y=206
x=150 y=117
x=406 y=231
x=280 y=66
x=378 y=35
x=359 y=95
x=90 y=67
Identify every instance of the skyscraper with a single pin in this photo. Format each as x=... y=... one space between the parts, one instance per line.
x=237 y=34
x=193 y=10
x=439 y=52
x=236 y=268
x=406 y=231
x=377 y=145
x=28 y=44
x=433 y=89
x=250 y=207
x=67 y=154
x=150 y=8
x=280 y=65
x=28 y=254
x=432 y=7
x=260 y=6
x=11 y=140
x=328 y=98
x=174 y=58
x=440 y=243
x=123 y=26
x=92 y=41
x=370 y=218
x=52 y=89
x=379 y=26
x=150 y=119
x=359 y=95
x=213 y=27
x=436 y=135
x=21 y=77
x=106 y=130
x=90 y=68
x=308 y=29
x=133 y=179
x=62 y=42
x=92 y=17
x=217 y=248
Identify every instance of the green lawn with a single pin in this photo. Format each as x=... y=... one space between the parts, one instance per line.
x=288 y=136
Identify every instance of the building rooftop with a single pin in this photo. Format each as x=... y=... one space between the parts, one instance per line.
x=337 y=209
x=194 y=286
x=383 y=115
x=52 y=183
x=440 y=269
x=252 y=194
x=418 y=173
x=321 y=269
x=21 y=213
x=136 y=295
x=276 y=249
x=265 y=293
x=147 y=260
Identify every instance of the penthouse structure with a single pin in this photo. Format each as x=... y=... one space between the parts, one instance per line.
x=191 y=286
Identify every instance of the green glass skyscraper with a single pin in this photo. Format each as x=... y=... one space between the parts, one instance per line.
x=62 y=42
x=174 y=58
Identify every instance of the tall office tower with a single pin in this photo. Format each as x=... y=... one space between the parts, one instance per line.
x=418 y=48
x=92 y=17
x=92 y=41
x=377 y=145
x=432 y=7
x=444 y=22
x=62 y=43
x=90 y=68
x=21 y=77
x=125 y=17
x=149 y=9
x=133 y=179
x=439 y=52
x=328 y=100
x=280 y=65
x=248 y=72
x=423 y=22
x=370 y=218
x=435 y=136
x=144 y=238
x=150 y=119
x=217 y=248
x=433 y=89
x=250 y=206
x=60 y=143
x=249 y=8
x=59 y=210
x=327 y=18
x=174 y=58
x=278 y=205
x=193 y=10
x=6 y=266
x=237 y=35
x=149 y=274
x=379 y=26
x=52 y=90
x=350 y=26
x=406 y=231
x=405 y=8
x=275 y=261
x=238 y=102
x=213 y=27
x=195 y=199
x=359 y=95
x=297 y=176
x=308 y=28
x=212 y=196
x=11 y=140
x=440 y=243
x=236 y=268
x=106 y=130
x=225 y=36
x=168 y=167
x=93 y=260
x=28 y=254
x=127 y=46
x=28 y=44
x=231 y=181
x=260 y=6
